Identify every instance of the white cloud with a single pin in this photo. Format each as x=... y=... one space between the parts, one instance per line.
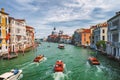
x=68 y=11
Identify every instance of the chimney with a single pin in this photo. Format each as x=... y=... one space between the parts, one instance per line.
x=2 y=9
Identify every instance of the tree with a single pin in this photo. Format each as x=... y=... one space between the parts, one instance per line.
x=101 y=44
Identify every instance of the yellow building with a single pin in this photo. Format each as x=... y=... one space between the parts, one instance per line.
x=4 y=30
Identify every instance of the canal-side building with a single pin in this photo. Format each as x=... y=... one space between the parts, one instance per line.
x=85 y=37
x=65 y=39
x=53 y=38
x=100 y=32
x=113 y=44
x=29 y=36
x=92 y=45
x=18 y=34
x=76 y=39
x=4 y=32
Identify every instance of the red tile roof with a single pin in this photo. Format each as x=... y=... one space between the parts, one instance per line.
x=86 y=31
x=29 y=27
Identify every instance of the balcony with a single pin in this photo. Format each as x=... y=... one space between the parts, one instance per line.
x=113 y=28
x=116 y=44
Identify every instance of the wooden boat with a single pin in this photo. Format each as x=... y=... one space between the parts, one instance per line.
x=59 y=66
x=61 y=46
x=39 y=58
x=93 y=61
x=12 y=75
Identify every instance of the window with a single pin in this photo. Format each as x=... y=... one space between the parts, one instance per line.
x=103 y=37
x=0 y=31
x=84 y=39
x=6 y=21
x=84 y=34
x=103 y=31
x=0 y=40
x=0 y=19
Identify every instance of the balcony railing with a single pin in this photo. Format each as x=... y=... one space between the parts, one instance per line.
x=116 y=44
x=113 y=27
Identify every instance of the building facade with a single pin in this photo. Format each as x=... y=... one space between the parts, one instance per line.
x=92 y=45
x=113 y=44
x=85 y=37
x=77 y=37
x=29 y=36
x=4 y=33
x=18 y=34
x=100 y=32
x=65 y=39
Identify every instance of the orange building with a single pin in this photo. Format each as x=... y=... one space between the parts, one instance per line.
x=85 y=37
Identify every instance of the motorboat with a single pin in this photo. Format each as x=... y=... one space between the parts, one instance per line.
x=59 y=66
x=38 y=58
x=93 y=61
x=12 y=75
x=61 y=46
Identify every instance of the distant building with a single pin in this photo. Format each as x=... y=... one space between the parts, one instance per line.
x=76 y=39
x=53 y=38
x=65 y=39
x=113 y=44
x=59 y=37
x=54 y=32
x=4 y=32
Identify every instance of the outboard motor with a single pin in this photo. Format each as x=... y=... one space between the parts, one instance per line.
x=16 y=71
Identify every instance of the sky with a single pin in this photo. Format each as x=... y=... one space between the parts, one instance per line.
x=66 y=15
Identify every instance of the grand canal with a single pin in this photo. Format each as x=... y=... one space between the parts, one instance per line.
x=75 y=59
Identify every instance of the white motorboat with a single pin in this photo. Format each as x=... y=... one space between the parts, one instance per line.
x=12 y=75
x=61 y=46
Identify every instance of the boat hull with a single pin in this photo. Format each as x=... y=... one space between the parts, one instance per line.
x=12 y=75
x=38 y=58
x=93 y=61
x=59 y=66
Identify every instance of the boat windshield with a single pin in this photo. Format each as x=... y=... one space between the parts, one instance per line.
x=1 y=78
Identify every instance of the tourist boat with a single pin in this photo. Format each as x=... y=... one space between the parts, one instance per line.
x=59 y=66
x=93 y=61
x=38 y=58
x=12 y=75
x=61 y=46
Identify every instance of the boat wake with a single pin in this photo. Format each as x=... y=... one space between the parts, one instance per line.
x=62 y=75
x=58 y=76
x=24 y=66
x=99 y=69
x=20 y=77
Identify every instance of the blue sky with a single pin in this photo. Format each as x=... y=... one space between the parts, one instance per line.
x=66 y=15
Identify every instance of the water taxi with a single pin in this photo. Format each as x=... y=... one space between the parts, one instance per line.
x=38 y=58
x=12 y=75
x=93 y=61
x=59 y=66
x=61 y=46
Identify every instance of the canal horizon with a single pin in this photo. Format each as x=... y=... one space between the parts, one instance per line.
x=76 y=61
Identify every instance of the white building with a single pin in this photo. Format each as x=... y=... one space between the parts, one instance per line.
x=113 y=44
x=18 y=34
x=65 y=39
x=100 y=32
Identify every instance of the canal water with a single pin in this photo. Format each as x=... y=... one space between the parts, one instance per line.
x=76 y=65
